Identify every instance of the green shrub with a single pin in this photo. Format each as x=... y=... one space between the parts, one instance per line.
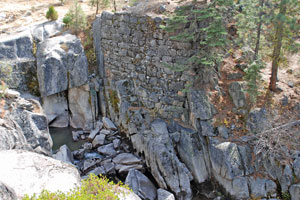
x=75 y=19
x=93 y=188
x=51 y=14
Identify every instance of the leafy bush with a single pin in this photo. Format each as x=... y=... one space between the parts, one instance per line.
x=93 y=188
x=75 y=19
x=51 y=14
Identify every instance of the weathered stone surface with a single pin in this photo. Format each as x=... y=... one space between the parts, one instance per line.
x=64 y=57
x=141 y=185
x=108 y=124
x=56 y=109
x=236 y=93
x=200 y=106
x=64 y=154
x=190 y=149
x=126 y=159
x=164 y=195
x=295 y=191
x=262 y=188
x=29 y=173
x=98 y=141
x=160 y=156
x=296 y=166
x=82 y=115
x=286 y=178
x=107 y=150
x=258 y=121
x=229 y=167
x=45 y=30
x=18 y=46
x=126 y=168
x=20 y=74
x=23 y=127
x=7 y=193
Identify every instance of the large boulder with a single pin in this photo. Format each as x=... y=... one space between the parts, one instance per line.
x=29 y=173
x=61 y=64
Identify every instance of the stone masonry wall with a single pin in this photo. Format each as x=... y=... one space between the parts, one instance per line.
x=136 y=48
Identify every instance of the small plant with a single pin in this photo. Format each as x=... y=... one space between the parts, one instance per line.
x=93 y=188
x=51 y=14
x=75 y=19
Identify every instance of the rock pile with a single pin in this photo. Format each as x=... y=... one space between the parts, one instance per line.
x=107 y=153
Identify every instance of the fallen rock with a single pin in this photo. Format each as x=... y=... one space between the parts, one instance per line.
x=64 y=154
x=29 y=173
x=98 y=141
x=126 y=168
x=164 y=195
x=141 y=185
x=108 y=124
x=93 y=134
x=116 y=143
x=108 y=150
x=126 y=159
x=89 y=164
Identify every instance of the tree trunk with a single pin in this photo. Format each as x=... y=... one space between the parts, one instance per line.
x=258 y=29
x=97 y=7
x=115 y=6
x=277 y=45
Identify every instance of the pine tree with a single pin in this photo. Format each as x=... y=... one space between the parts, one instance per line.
x=75 y=18
x=99 y=3
x=204 y=26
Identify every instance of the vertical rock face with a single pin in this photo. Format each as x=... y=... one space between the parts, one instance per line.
x=80 y=105
x=61 y=64
x=56 y=108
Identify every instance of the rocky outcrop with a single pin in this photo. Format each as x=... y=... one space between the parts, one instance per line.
x=23 y=125
x=61 y=64
x=29 y=173
x=141 y=95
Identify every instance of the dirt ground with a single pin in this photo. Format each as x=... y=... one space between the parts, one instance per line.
x=17 y=14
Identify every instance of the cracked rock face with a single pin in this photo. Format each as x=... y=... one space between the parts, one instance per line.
x=23 y=125
x=61 y=64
